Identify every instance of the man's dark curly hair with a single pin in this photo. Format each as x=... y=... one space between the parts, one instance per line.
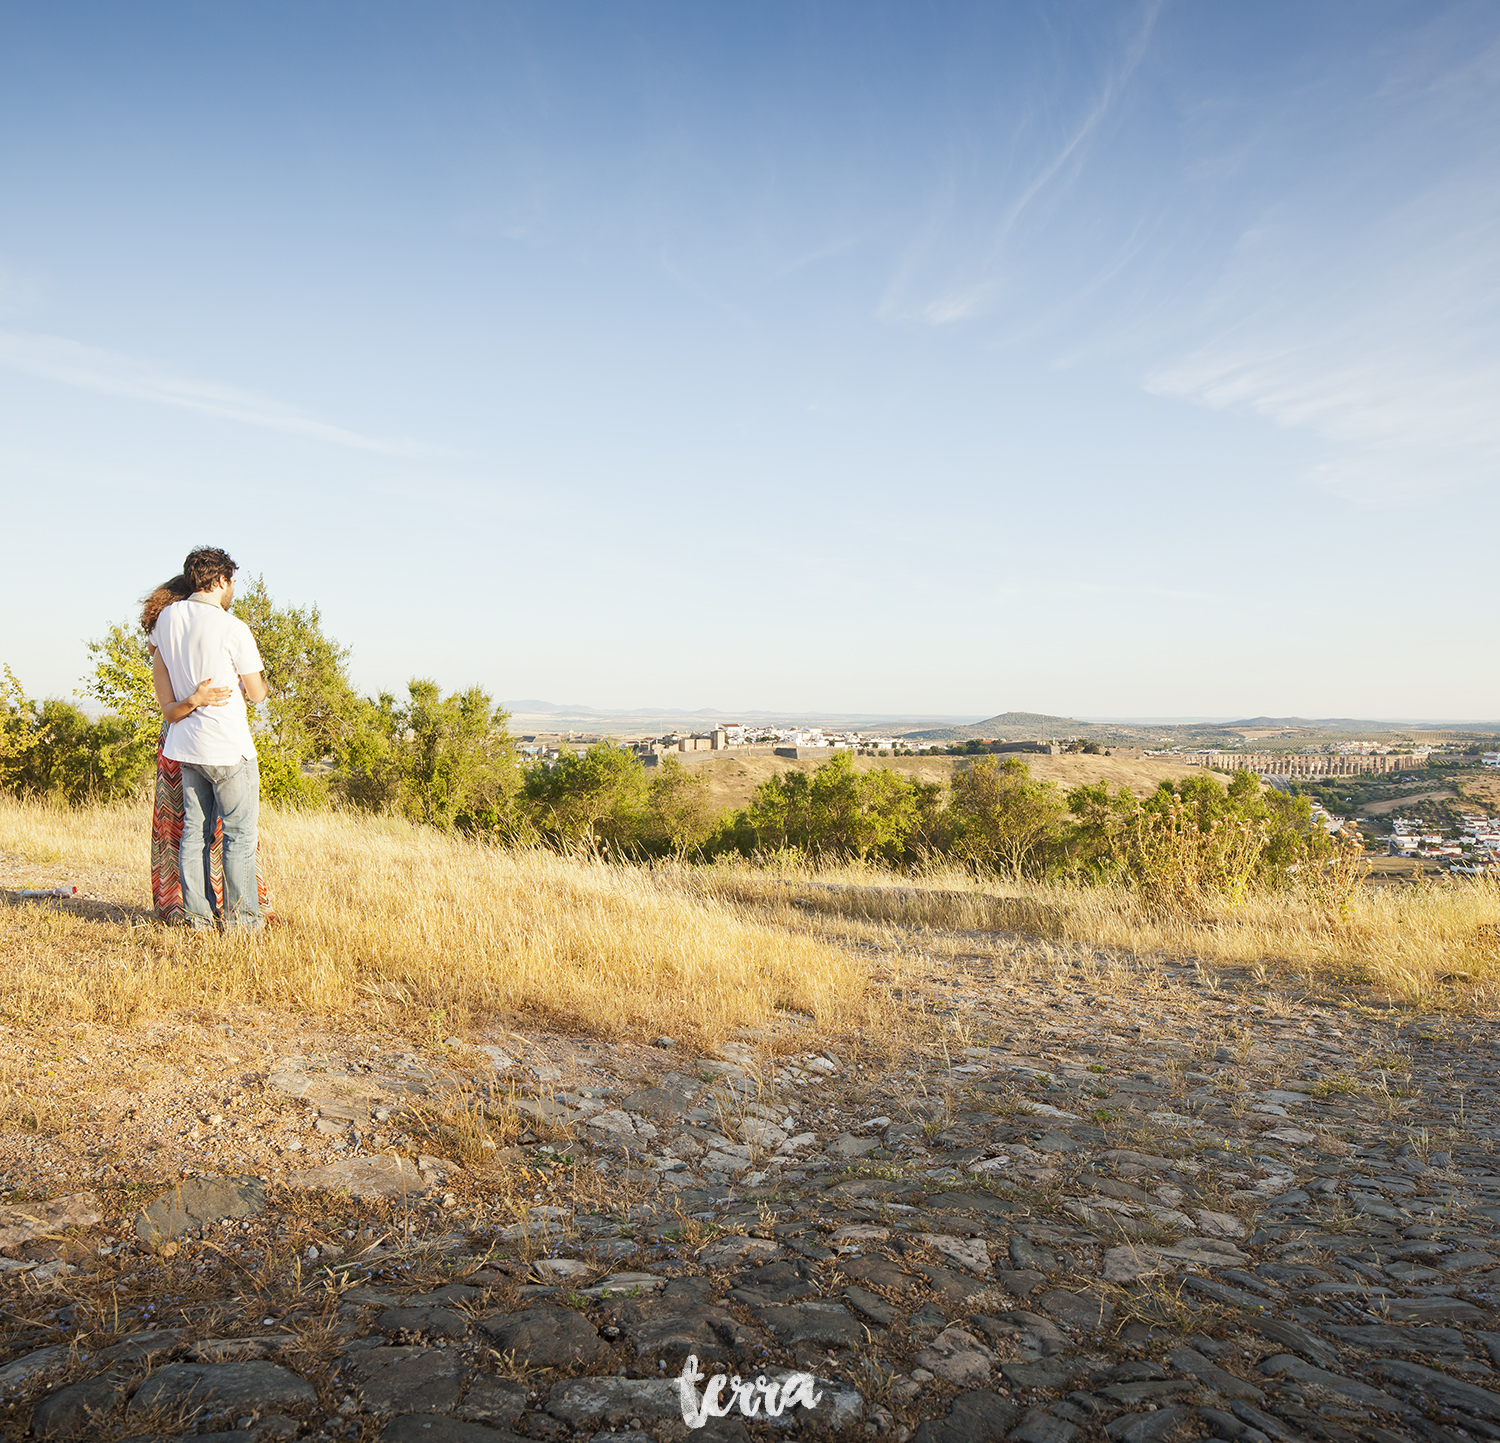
x=206 y=566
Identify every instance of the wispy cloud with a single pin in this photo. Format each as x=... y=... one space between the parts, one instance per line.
x=828 y=250
x=89 y=368
x=979 y=283
x=1114 y=83
x=1383 y=344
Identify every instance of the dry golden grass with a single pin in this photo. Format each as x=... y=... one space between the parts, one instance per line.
x=1483 y=788
x=386 y=914
x=1434 y=945
x=378 y=915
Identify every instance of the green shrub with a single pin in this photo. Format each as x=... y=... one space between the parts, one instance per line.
x=679 y=817
x=446 y=761
x=834 y=811
x=74 y=759
x=598 y=796
x=1004 y=820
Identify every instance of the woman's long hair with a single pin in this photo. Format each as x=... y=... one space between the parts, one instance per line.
x=177 y=589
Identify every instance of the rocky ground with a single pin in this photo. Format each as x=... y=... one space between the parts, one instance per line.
x=1175 y=1207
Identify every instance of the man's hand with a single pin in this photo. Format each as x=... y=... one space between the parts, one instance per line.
x=207 y=694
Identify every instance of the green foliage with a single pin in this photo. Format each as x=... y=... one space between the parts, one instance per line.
x=75 y=760
x=594 y=797
x=369 y=771
x=930 y=830
x=52 y=749
x=1194 y=843
x=121 y=679
x=312 y=710
x=284 y=782
x=834 y=811
x=1004 y=820
x=1290 y=837
x=17 y=728
x=461 y=758
x=679 y=818
x=447 y=761
x=1180 y=864
x=1092 y=847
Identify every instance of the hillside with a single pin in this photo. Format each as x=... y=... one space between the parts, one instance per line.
x=1018 y=726
x=1289 y=731
x=1011 y=725
x=734 y=776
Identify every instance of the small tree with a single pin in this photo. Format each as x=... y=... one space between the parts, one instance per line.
x=462 y=758
x=679 y=815
x=882 y=817
x=18 y=733
x=1003 y=819
x=446 y=761
x=778 y=814
x=121 y=679
x=1092 y=843
x=77 y=760
x=597 y=796
x=370 y=770
x=834 y=811
x=312 y=709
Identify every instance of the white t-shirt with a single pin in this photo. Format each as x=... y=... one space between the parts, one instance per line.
x=199 y=642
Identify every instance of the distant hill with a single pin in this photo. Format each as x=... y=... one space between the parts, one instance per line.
x=544 y=708
x=1020 y=720
x=1018 y=726
x=1287 y=723
x=1015 y=726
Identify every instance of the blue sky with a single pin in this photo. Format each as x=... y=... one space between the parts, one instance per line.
x=1081 y=358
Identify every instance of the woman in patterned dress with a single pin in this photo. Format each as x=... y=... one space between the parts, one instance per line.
x=166 y=811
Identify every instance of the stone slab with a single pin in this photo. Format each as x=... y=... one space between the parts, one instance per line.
x=365 y=1178
x=404 y=1380
x=220 y=1389
x=24 y=1222
x=198 y=1203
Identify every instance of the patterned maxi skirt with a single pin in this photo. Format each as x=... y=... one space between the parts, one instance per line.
x=166 y=844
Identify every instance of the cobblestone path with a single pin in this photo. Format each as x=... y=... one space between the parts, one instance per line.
x=1186 y=1211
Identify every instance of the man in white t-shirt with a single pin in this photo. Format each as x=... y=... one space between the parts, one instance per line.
x=198 y=641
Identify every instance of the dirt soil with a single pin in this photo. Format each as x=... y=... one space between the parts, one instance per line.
x=1484 y=789
x=1380 y=809
x=1146 y=1201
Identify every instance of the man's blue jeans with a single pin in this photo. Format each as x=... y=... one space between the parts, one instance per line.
x=231 y=795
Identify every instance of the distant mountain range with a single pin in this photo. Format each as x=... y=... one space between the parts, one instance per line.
x=547 y=716
x=1038 y=726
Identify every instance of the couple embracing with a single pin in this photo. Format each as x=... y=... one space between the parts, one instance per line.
x=205 y=667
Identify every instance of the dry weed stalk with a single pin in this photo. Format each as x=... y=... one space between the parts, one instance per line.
x=1432 y=946
x=377 y=913
x=382 y=917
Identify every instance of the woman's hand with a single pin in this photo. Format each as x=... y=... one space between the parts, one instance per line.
x=207 y=694
x=172 y=710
